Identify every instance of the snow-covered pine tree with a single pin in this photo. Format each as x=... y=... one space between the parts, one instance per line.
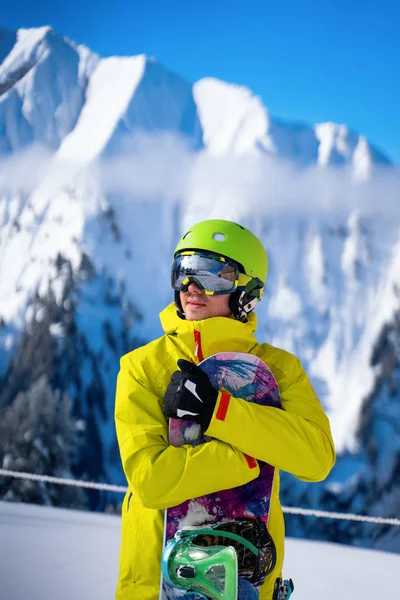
x=40 y=436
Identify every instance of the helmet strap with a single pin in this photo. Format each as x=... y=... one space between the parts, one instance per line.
x=241 y=304
x=178 y=305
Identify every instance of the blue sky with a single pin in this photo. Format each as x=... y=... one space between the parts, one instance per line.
x=309 y=60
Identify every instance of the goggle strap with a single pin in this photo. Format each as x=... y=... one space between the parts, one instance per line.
x=251 y=285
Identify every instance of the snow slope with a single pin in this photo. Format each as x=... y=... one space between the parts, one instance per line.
x=49 y=553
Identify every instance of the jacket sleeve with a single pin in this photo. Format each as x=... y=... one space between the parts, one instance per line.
x=161 y=475
x=296 y=439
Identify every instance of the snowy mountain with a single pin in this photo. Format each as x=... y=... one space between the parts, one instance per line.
x=234 y=120
x=104 y=163
x=31 y=109
x=75 y=555
x=50 y=87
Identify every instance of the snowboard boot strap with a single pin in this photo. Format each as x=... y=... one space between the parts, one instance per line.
x=255 y=549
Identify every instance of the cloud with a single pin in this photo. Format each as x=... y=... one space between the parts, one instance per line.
x=23 y=171
x=163 y=166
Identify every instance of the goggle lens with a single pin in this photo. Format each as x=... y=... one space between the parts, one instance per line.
x=212 y=274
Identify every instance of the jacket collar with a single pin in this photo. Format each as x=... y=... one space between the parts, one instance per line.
x=202 y=339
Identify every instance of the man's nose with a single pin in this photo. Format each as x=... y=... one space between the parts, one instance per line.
x=193 y=287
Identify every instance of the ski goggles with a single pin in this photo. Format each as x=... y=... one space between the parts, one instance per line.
x=211 y=273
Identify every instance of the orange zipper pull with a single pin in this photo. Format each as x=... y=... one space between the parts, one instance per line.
x=198 y=352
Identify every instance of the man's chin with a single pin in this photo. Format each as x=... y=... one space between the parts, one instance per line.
x=196 y=314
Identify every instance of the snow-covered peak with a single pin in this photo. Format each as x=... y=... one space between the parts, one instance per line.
x=338 y=145
x=232 y=117
x=30 y=46
x=54 y=92
x=235 y=121
x=109 y=93
x=42 y=88
x=126 y=94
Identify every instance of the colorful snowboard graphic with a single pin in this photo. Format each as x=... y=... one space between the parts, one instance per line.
x=243 y=376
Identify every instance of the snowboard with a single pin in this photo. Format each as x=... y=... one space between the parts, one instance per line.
x=244 y=376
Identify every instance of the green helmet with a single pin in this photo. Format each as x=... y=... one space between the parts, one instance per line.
x=230 y=240
x=237 y=243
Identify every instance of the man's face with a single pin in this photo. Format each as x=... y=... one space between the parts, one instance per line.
x=197 y=305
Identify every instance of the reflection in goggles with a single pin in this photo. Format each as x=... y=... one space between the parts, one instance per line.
x=213 y=275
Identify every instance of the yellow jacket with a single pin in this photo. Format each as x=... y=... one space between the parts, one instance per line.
x=296 y=439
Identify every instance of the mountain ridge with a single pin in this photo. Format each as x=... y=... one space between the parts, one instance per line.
x=337 y=144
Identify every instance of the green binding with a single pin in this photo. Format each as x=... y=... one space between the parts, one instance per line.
x=209 y=570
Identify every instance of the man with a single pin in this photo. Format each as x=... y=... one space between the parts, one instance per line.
x=218 y=277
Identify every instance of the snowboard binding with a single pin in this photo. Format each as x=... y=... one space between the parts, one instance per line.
x=283 y=589
x=210 y=559
x=209 y=570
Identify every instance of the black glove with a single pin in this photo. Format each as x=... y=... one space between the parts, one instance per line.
x=190 y=395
